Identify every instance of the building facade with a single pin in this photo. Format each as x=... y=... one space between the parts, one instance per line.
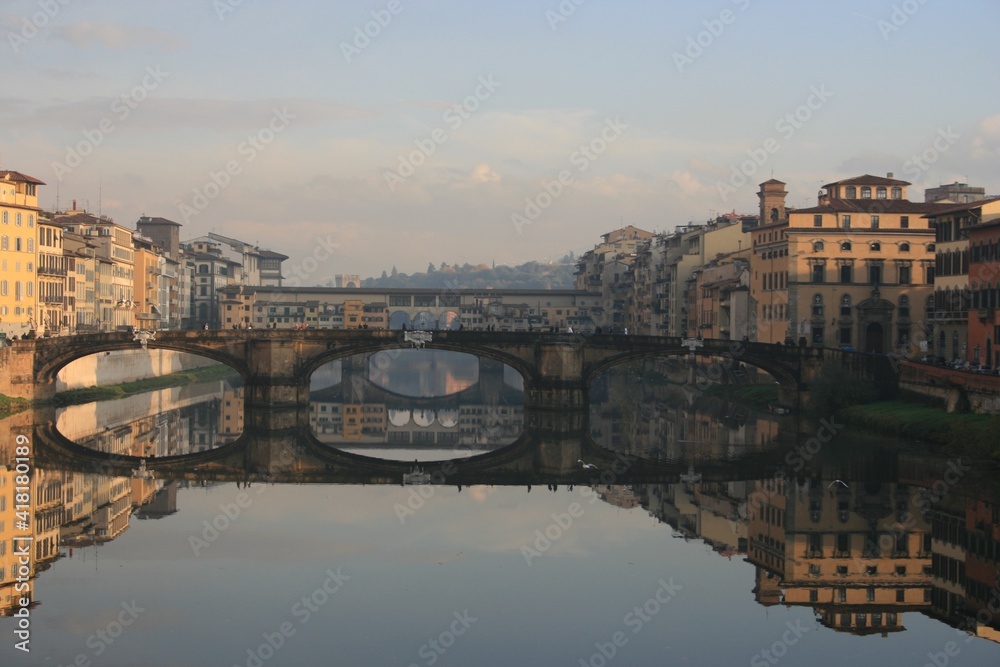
x=18 y=238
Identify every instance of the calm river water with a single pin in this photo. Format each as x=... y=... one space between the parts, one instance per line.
x=781 y=542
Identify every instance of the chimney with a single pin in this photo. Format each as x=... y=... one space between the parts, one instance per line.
x=74 y=204
x=888 y=175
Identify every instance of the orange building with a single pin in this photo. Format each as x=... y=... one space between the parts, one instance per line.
x=984 y=285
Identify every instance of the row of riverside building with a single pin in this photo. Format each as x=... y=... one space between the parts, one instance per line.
x=865 y=268
x=74 y=272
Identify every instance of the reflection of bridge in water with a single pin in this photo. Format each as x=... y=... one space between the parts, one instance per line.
x=282 y=449
x=360 y=414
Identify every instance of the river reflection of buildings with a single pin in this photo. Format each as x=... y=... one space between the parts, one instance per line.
x=649 y=409
x=361 y=410
x=79 y=509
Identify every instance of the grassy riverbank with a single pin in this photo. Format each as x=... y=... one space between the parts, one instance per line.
x=757 y=396
x=111 y=392
x=10 y=406
x=965 y=433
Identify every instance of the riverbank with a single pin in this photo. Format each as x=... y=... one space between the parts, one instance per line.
x=968 y=433
x=111 y=392
x=10 y=406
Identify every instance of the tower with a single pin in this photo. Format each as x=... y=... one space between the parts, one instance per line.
x=772 y=201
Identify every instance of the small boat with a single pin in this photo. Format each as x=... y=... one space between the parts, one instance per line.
x=776 y=409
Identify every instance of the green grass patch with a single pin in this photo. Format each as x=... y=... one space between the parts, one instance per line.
x=752 y=395
x=111 y=392
x=960 y=432
x=9 y=406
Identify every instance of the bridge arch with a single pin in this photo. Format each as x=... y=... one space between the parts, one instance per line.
x=783 y=373
x=63 y=355
x=311 y=364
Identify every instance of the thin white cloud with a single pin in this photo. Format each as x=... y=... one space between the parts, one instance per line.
x=90 y=34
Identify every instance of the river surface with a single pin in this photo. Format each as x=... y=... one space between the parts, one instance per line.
x=781 y=540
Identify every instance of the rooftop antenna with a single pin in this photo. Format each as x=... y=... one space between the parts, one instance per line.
x=100 y=194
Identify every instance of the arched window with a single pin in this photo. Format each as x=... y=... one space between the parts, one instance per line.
x=846 y=246
x=850 y=192
x=845 y=305
x=866 y=192
x=817 y=246
x=817 y=307
x=897 y=192
x=774 y=215
x=880 y=192
x=904 y=247
x=876 y=246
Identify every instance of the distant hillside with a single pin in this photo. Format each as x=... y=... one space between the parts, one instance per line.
x=531 y=275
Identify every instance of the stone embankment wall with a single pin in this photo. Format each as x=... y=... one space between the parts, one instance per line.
x=108 y=368
x=950 y=389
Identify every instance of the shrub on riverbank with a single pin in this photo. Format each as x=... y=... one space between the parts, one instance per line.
x=962 y=433
x=91 y=394
x=836 y=389
x=9 y=406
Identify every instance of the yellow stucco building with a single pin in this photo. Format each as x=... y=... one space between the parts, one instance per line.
x=18 y=240
x=856 y=270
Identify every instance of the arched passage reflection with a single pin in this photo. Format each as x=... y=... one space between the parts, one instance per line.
x=420 y=405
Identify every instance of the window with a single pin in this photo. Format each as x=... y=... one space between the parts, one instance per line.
x=6 y=218
x=900 y=595
x=817 y=306
x=845 y=335
x=897 y=192
x=31 y=245
x=17 y=219
x=850 y=192
x=818 y=246
x=846 y=274
x=875 y=274
x=31 y=219
x=880 y=192
x=846 y=246
x=904 y=247
x=813 y=595
x=845 y=221
x=4 y=287
x=874 y=222
x=5 y=243
x=866 y=192
x=17 y=243
x=904 y=306
x=818 y=271
x=876 y=246
x=904 y=222
x=845 y=305
x=904 y=274
x=817 y=220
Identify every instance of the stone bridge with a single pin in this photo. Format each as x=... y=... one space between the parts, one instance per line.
x=276 y=364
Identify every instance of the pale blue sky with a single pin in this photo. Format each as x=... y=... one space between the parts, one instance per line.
x=891 y=94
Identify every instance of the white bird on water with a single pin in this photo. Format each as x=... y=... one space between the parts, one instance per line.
x=586 y=466
x=838 y=481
